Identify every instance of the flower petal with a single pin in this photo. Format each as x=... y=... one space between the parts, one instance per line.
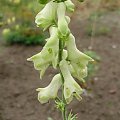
x=49 y=92
x=47 y=16
x=80 y=74
x=74 y=54
x=49 y=54
x=71 y=87
x=62 y=20
x=77 y=59
x=65 y=54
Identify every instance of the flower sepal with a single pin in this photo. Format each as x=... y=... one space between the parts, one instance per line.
x=49 y=55
x=47 y=16
x=49 y=92
x=71 y=87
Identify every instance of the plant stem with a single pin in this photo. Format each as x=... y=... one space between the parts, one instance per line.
x=61 y=46
x=64 y=101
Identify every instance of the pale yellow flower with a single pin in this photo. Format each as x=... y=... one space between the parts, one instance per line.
x=6 y=31
x=49 y=92
x=77 y=59
x=47 y=16
x=49 y=54
x=71 y=87
x=62 y=20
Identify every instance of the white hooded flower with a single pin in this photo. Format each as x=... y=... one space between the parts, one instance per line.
x=49 y=54
x=69 y=5
x=77 y=59
x=47 y=16
x=71 y=87
x=62 y=20
x=50 y=92
x=82 y=73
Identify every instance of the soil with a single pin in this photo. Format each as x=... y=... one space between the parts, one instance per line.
x=18 y=79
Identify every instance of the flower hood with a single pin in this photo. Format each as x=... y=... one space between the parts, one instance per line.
x=71 y=87
x=47 y=16
x=49 y=54
x=49 y=92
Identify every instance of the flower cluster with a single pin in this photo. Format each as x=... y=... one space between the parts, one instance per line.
x=73 y=63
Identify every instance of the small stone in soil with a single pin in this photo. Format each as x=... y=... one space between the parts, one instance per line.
x=113 y=91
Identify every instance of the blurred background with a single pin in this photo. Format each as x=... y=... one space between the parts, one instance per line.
x=96 y=26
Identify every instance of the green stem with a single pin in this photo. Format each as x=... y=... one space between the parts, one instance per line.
x=61 y=46
x=64 y=101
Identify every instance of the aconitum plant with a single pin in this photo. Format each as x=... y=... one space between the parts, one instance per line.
x=60 y=51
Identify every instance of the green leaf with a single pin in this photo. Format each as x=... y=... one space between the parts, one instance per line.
x=72 y=117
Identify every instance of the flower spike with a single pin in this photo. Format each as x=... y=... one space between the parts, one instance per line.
x=61 y=52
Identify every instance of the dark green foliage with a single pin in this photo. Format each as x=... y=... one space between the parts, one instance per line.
x=43 y=1
x=27 y=37
x=23 y=13
x=81 y=0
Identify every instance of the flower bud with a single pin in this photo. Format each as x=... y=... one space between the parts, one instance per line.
x=47 y=16
x=71 y=87
x=49 y=92
x=62 y=20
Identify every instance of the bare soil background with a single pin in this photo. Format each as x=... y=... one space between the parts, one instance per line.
x=18 y=79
